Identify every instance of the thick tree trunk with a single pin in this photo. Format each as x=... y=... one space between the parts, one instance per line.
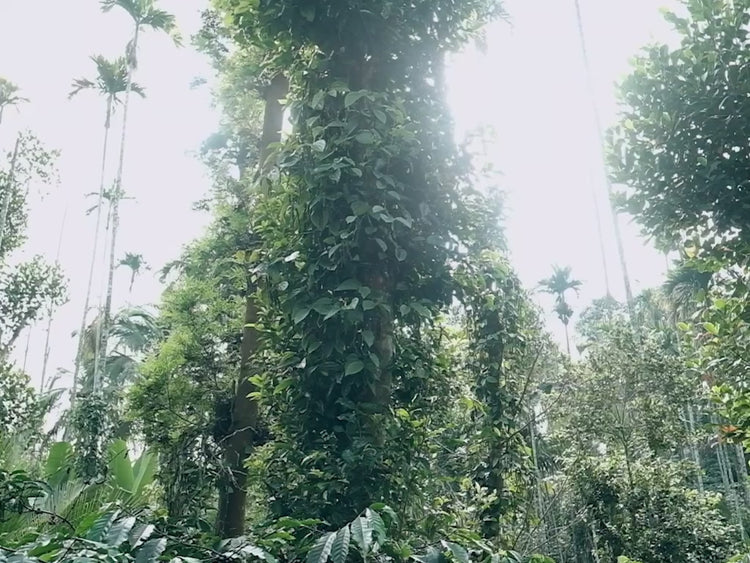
x=230 y=521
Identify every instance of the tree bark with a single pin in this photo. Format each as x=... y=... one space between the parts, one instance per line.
x=236 y=446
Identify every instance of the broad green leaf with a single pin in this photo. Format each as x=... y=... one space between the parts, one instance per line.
x=58 y=467
x=100 y=528
x=353 y=97
x=140 y=533
x=119 y=531
x=459 y=553
x=300 y=314
x=354 y=367
x=378 y=526
x=349 y=285
x=322 y=549
x=361 y=529
x=319 y=145
x=368 y=337
x=340 y=548
x=365 y=137
x=120 y=467
x=151 y=550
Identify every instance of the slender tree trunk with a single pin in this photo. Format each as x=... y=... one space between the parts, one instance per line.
x=608 y=183
x=230 y=521
x=567 y=340
x=694 y=448
x=115 y=210
x=8 y=192
x=92 y=265
x=48 y=331
x=727 y=481
x=739 y=453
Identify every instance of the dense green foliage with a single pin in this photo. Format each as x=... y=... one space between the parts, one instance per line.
x=345 y=367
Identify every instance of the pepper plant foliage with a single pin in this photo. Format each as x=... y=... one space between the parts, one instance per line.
x=365 y=224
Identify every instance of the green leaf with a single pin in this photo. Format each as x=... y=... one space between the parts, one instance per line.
x=349 y=285
x=317 y=101
x=378 y=526
x=300 y=314
x=292 y=257
x=340 y=548
x=322 y=549
x=365 y=137
x=711 y=328
x=140 y=533
x=319 y=145
x=120 y=467
x=101 y=526
x=119 y=531
x=362 y=534
x=151 y=550
x=326 y=306
x=368 y=337
x=354 y=367
x=459 y=553
x=400 y=254
x=684 y=327
x=57 y=468
x=353 y=97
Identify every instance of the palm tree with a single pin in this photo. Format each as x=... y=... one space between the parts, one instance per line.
x=145 y=15
x=111 y=81
x=136 y=263
x=598 y=125
x=558 y=284
x=8 y=96
x=7 y=192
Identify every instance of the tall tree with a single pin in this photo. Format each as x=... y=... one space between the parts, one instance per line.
x=136 y=263
x=607 y=181
x=111 y=81
x=8 y=96
x=558 y=285
x=145 y=15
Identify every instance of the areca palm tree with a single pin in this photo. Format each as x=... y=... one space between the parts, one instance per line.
x=145 y=15
x=9 y=96
x=558 y=284
x=608 y=183
x=111 y=81
x=136 y=263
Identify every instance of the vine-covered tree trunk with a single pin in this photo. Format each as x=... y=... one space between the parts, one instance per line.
x=236 y=445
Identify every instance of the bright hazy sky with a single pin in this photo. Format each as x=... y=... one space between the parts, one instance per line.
x=528 y=86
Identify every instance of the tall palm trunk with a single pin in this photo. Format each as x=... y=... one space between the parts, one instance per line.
x=115 y=211
x=8 y=191
x=608 y=183
x=92 y=265
x=694 y=447
x=567 y=339
x=48 y=331
x=230 y=520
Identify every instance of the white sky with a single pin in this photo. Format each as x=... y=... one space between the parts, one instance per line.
x=529 y=87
